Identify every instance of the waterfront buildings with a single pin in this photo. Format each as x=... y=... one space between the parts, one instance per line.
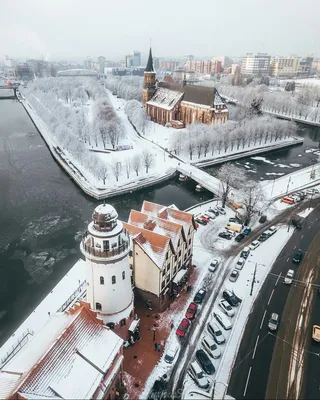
x=284 y=66
x=255 y=64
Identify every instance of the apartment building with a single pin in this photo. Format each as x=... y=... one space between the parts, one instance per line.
x=162 y=242
x=255 y=64
x=284 y=66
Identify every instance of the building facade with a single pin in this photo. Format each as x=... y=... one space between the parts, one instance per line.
x=181 y=104
x=284 y=66
x=105 y=247
x=72 y=357
x=162 y=243
x=255 y=64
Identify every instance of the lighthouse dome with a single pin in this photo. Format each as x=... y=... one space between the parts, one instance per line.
x=104 y=217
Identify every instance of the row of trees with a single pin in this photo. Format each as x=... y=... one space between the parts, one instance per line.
x=207 y=141
x=126 y=87
x=137 y=115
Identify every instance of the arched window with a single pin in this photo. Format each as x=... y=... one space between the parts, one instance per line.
x=123 y=322
x=123 y=275
x=101 y=280
x=113 y=279
x=98 y=306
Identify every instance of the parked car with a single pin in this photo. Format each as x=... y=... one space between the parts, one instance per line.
x=287 y=200
x=316 y=333
x=231 y=298
x=210 y=216
x=205 y=362
x=240 y=263
x=264 y=236
x=289 y=277
x=273 y=322
x=198 y=375
x=272 y=230
x=225 y=235
x=221 y=210
x=216 y=332
x=234 y=275
x=233 y=219
x=245 y=252
x=226 y=308
x=191 y=311
x=223 y=320
x=297 y=221
x=198 y=298
x=213 y=265
x=171 y=353
x=297 y=257
x=262 y=219
x=210 y=347
x=183 y=327
x=254 y=245
x=246 y=231
x=214 y=211
x=240 y=237
x=200 y=221
x=205 y=219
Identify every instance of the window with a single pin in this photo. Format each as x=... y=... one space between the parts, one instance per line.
x=163 y=284
x=123 y=275
x=130 y=253
x=123 y=322
x=167 y=256
x=168 y=266
x=106 y=246
x=101 y=280
x=190 y=241
x=98 y=307
x=113 y=279
x=180 y=253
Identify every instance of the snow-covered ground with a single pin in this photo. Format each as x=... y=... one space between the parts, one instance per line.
x=71 y=287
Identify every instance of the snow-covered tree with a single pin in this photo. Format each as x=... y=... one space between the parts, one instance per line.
x=148 y=159
x=127 y=165
x=230 y=177
x=136 y=163
x=252 y=199
x=101 y=170
x=116 y=167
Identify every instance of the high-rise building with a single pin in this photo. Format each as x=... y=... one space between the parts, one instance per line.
x=305 y=66
x=106 y=247
x=284 y=66
x=136 y=58
x=129 y=60
x=255 y=64
x=168 y=65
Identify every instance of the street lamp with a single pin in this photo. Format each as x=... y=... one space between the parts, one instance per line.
x=254 y=275
x=288 y=184
x=214 y=382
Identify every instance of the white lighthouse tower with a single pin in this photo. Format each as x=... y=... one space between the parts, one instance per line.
x=106 y=246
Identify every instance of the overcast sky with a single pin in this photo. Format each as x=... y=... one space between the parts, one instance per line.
x=69 y=29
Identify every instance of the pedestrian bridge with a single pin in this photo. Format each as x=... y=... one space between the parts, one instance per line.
x=207 y=181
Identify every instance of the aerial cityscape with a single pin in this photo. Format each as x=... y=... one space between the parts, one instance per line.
x=160 y=202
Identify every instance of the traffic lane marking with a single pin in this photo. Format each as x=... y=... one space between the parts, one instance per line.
x=288 y=259
x=255 y=348
x=264 y=315
x=278 y=279
x=295 y=246
x=245 y=389
x=270 y=296
x=302 y=236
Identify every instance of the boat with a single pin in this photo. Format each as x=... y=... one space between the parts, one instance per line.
x=182 y=178
x=199 y=188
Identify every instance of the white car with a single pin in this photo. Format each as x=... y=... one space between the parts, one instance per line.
x=240 y=263
x=210 y=347
x=289 y=277
x=226 y=308
x=197 y=374
x=254 y=245
x=272 y=230
x=213 y=265
x=221 y=210
x=171 y=353
x=210 y=214
x=234 y=275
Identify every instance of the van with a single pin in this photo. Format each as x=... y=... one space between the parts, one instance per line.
x=215 y=331
x=245 y=252
x=287 y=200
x=198 y=375
x=234 y=227
x=223 y=320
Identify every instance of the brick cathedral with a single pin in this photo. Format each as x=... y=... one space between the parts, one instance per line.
x=180 y=104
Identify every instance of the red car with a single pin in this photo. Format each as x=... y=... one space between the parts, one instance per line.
x=204 y=218
x=183 y=327
x=191 y=311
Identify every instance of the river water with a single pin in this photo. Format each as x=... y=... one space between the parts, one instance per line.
x=43 y=213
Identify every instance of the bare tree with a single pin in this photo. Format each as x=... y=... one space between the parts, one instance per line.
x=147 y=158
x=116 y=167
x=206 y=144
x=113 y=133
x=136 y=163
x=191 y=147
x=230 y=177
x=102 y=172
x=252 y=198
x=128 y=167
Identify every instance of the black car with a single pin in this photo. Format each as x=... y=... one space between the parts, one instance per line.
x=262 y=219
x=198 y=298
x=201 y=221
x=297 y=257
x=263 y=237
x=205 y=362
x=214 y=211
x=240 y=237
x=231 y=298
x=233 y=219
x=225 y=235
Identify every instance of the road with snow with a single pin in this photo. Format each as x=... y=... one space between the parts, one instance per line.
x=262 y=354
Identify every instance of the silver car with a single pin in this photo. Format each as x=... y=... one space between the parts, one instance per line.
x=273 y=322
x=234 y=275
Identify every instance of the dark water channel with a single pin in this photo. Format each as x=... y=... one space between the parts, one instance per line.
x=43 y=213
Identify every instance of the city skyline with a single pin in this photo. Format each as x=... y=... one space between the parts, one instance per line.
x=34 y=31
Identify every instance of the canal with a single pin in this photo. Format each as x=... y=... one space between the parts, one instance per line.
x=43 y=213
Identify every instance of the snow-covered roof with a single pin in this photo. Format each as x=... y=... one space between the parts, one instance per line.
x=165 y=98
x=157 y=225
x=106 y=209
x=71 y=346
x=217 y=99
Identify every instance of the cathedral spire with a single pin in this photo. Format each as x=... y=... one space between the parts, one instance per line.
x=149 y=67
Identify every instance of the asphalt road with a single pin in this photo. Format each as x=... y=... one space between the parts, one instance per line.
x=249 y=379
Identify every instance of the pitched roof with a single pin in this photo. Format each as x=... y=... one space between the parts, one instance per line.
x=165 y=98
x=154 y=245
x=149 y=67
x=157 y=225
x=170 y=214
x=70 y=346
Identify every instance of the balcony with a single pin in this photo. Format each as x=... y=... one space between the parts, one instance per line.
x=88 y=250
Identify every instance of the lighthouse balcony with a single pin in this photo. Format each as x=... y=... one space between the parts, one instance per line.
x=103 y=249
